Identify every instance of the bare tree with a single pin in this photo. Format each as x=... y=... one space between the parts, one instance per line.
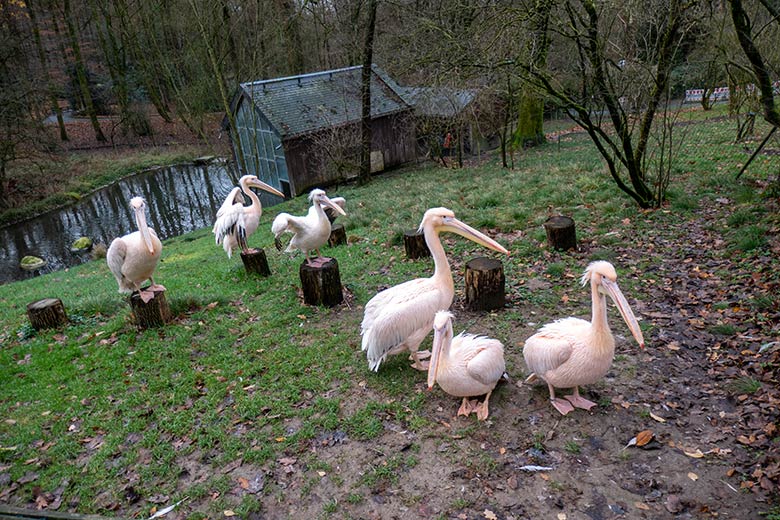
x=365 y=96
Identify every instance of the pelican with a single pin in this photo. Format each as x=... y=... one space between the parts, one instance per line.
x=464 y=366
x=400 y=317
x=571 y=352
x=133 y=257
x=311 y=232
x=235 y=222
x=338 y=201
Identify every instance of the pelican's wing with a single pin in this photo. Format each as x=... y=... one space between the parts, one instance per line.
x=286 y=222
x=393 y=315
x=487 y=360
x=115 y=258
x=552 y=346
x=229 y=216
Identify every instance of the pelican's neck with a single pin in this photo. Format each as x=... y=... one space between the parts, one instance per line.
x=253 y=197
x=140 y=221
x=320 y=211
x=599 y=326
x=441 y=265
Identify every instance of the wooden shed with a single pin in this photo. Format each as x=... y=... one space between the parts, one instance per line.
x=299 y=132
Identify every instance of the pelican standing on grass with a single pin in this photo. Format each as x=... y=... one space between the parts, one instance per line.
x=399 y=318
x=572 y=352
x=311 y=232
x=464 y=366
x=133 y=257
x=236 y=222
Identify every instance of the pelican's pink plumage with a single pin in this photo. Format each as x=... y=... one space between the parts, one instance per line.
x=464 y=366
x=236 y=222
x=133 y=257
x=572 y=352
x=399 y=318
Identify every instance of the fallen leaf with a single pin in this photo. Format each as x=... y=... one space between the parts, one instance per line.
x=695 y=454
x=642 y=506
x=228 y=512
x=280 y=439
x=561 y=516
x=673 y=346
x=644 y=437
x=490 y=515
x=244 y=483
x=10 y=421
x=743 y=440
x=321 y=473
x=287 y=461
x=657 y=417
x=693 y=476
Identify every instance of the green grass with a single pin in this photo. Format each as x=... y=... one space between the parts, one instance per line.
x=245 y=371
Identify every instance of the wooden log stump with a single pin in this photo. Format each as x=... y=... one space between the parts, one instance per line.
x=255 y=262
x=338 y=235
x=156 y=313
x=415 y=246
x=561 y=234
x=321 y=285
x=484 y=284
x=48 y=313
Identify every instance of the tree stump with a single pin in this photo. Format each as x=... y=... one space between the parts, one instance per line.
x=561 y=234
x=48 y=313
x=484 y=284
x=338 y=235
x=415 y=246
x=255 y=262
x=321 y=285
x=156 y=313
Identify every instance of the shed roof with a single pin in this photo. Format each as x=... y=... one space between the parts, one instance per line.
x=438 y=101
x=298 y=105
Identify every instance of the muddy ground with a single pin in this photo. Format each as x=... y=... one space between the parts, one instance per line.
x=710 y=447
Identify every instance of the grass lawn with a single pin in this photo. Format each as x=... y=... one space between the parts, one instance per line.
x=247 y=374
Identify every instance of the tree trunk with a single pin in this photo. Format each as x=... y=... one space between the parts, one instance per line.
x=292 y=36
x=321 y=285
x=48 y=313
x=81 y=72
x=530 y=114
x=338 y=235
x=55 y=106
x=365 y=119
x=255 y=262
x=485 y=282
x=561 y=233
x=415 y=246
x=156 y=313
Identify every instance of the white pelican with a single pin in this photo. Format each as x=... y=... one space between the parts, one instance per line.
x=571 y=352
x=464 y=366
x=236 y=222
x=133 y=257
x=311 y=232
x=399 y=318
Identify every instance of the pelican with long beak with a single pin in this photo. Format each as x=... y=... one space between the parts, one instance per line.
x=310 y=232
x=133 y=257
x=399 y=318
x=464 y=366
x=572 y=352
x=236 y=222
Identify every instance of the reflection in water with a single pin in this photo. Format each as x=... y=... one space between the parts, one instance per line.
x=179 y=199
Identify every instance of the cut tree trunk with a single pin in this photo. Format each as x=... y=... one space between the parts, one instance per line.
x=48 y=313
x=484 y=284
x=415 y=246
x=321 y=285
x=338 y=235
x=156 y=313
x=255 y=262
x=561 y=234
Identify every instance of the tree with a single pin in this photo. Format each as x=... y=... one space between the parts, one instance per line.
x=530 y=112
x=81 y=70
x=624 y=58
x=365 y=96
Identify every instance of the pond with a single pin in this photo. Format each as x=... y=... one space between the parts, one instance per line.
x=179 y=199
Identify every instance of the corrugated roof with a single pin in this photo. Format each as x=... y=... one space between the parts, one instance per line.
x=437 y=101
x=298 y=105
